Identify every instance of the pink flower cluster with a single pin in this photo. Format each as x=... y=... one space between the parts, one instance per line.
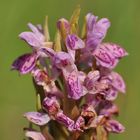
x=76 y=76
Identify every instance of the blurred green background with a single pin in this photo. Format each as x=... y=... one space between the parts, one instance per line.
x=17 y=93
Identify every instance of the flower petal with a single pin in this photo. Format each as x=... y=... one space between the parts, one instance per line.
x=63 y=22
x=96 y=31
x=46 y=52
x=110 y=94
x=65 y=62
x=38 y=31
x=62 y=60
x=92 y=40
x=31 y=38
x=97 y=121
x=93 y=99
x=66 y=121
x=51 y=105
x=91 y=21
x=34 y=135
x=102 y=26
x=25 y=63
x=79 y=124
x=40 y=76
x=108 y=109
x=98 y=87
x=91 y=78
x=37 y=118
x=74 y=42
x=75 y=90
x=105 y=58
x=115 y=49
x=118 y=82
x=114 y=126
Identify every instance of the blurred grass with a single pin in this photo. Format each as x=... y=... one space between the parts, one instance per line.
x=17 y=93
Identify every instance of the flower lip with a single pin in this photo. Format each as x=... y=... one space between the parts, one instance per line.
x=25 y=63
x=37 y=118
